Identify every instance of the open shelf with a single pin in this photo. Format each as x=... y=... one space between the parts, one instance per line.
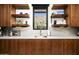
x=20 y=25
x=59 y=6
x=58 y=16
x=21 y=6
x=20 y=15
x=59 y=25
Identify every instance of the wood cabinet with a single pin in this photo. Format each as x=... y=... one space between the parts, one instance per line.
x=72 y=12
x=39 y=46
x=8 y=14
x=5 y=15
x=73 y=15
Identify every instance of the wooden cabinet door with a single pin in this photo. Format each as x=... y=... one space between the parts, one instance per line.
x=5 y=15
x=67 y=11
x=74 y=16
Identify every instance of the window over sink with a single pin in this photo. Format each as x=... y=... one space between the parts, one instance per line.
x=40 y=17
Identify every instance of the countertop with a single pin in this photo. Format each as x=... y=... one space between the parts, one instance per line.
x=17 y=37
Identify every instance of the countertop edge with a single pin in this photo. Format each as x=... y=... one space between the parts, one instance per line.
x=39 y=38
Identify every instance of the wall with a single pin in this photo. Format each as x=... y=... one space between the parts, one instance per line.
x=29 y=32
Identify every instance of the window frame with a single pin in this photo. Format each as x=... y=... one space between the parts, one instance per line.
x=46 y=18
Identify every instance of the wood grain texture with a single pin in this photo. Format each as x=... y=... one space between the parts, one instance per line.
x=8 y=14
x=5 y=15
x=39 y=46
x=6 y=19
x=74 y=15
x=72 y=11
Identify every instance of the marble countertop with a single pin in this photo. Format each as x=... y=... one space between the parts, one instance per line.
x=53 y=37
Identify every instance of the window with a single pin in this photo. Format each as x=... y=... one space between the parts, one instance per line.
x=40 y=19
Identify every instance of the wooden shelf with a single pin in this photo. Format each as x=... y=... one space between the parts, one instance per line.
x=20 y=25
x=59 y=6
x=59 y=25
x=58 y=16
x=21 y=6
x=20 y=15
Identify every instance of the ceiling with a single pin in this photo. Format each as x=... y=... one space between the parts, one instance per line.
x=39 y=1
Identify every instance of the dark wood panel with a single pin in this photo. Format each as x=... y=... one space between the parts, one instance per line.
x=74 y=15
x=28 y=47
x=72 y=11
x=5 y=15
x=6 y=19
x=13 y=47
x=68 y=46
x=39 y=46
x=76 y=49
x=57 y=47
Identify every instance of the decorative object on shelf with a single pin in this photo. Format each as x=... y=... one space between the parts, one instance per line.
x=26 y=22
x=21 y=13
x=54 y=22
x=26 y=13
x=19 y=22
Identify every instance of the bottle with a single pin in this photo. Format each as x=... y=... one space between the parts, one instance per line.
x=54 y=22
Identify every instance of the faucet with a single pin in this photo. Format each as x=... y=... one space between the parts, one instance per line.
x=40 y=32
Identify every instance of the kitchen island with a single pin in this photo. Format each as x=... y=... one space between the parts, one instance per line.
x=39 y=46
